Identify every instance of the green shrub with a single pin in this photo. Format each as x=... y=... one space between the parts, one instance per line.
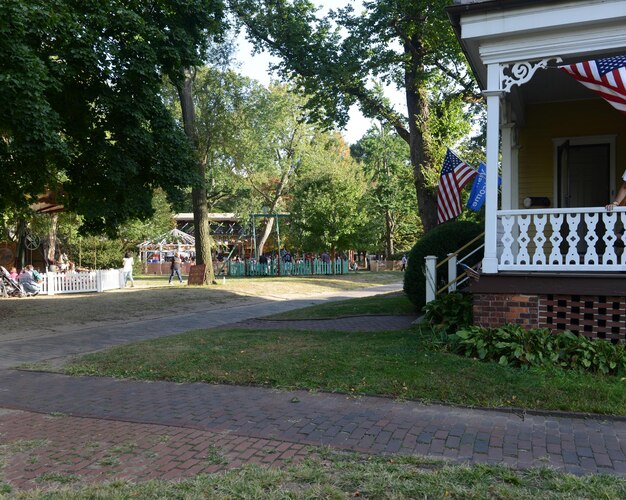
x=450 y=312
x=440 y=241
x=516 y=346
x=98 y=253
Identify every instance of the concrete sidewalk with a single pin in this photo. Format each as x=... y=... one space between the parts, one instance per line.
x=92 y=428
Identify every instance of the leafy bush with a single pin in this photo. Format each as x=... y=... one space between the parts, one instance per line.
x=450 y=312
x=98 y=253
x=516 y=346
x=440 y=241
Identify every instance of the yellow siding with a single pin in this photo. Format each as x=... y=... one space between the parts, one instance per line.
x=545 y=122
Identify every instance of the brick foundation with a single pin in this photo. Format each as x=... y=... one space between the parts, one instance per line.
x=494 y=309
x=598 y=317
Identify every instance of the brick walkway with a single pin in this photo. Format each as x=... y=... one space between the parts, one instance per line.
x=92 y=428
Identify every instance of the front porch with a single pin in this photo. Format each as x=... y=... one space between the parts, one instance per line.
x=559 y=268
x=560 y=150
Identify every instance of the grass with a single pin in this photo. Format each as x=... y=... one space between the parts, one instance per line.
x=153 y=297
x=400 y=364
x=337 y=475
x=392 y=303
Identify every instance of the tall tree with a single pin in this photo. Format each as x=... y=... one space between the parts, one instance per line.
x=326 y=210
x=275 y=142
x=385 y=160
x=405 y=42
x=82 y=113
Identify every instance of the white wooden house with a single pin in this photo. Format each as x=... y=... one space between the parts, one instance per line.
x=554 y=256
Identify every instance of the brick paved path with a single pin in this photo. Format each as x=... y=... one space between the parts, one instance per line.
x=367 y=424
x=91 y=428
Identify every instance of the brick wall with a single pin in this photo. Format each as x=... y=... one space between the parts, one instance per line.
x=593 y=316
x=494 y=309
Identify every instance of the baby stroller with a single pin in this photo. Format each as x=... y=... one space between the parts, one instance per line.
x=8 y=286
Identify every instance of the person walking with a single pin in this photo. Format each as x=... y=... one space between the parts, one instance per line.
x=175 y=269
x=127 y=269
x=403 y=263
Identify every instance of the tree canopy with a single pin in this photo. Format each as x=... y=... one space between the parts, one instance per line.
x=80 y=86
x=408 y=43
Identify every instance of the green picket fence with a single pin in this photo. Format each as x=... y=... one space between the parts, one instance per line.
x=300 y=268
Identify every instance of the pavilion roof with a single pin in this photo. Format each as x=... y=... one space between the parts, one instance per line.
x=173 y=237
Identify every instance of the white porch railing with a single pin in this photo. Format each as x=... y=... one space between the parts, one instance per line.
x=561 y=239
x=80 y=282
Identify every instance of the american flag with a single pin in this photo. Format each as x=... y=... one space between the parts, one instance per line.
x=606 y=76
x=454 y=175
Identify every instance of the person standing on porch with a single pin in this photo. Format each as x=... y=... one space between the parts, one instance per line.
x=127 y=269
x=619 y=197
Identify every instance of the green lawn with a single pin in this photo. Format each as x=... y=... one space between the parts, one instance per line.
x=345 y=475
x=398 y=364
x=392 y=303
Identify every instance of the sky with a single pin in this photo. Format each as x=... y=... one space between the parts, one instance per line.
x=257 y=67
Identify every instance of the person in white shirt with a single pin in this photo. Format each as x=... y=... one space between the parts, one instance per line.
x=127 y=263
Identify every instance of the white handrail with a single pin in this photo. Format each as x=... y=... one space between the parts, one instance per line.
x=578 y=210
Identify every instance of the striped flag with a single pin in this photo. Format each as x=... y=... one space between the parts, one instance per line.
x=454 y=175
x=606 y=76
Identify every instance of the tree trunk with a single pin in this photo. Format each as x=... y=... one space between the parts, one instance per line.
x=198 y=193
x=389 y=247
x=52 y=239
x=265 y=236
x=418 y=112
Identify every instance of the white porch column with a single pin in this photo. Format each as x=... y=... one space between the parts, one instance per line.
x=493 y=94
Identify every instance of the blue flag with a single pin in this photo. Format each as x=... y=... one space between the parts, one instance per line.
x=478 y=193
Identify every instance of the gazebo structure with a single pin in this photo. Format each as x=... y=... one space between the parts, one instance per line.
x=157 y=253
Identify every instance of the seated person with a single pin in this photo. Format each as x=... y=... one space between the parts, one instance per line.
x=30 y=280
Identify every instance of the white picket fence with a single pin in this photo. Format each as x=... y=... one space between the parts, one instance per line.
x=80 y=282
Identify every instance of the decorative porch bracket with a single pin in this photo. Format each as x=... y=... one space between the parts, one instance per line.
x=521 y=72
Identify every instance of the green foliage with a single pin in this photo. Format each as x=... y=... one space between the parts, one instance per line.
x=83 y=113
x=97 y=252
x=442 y=240
x=390 y=199
x=519 y=347
x=408 y=43
x=136 y=231
x=326 y=210
x=450 y=312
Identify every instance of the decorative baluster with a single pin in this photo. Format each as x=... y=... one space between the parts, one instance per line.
x=540 y=238
x=622 y=219
x=556 y=257
x=507 y=258
x=609 y=238
x=523 y=239
x=573 y=221
x=591 y=255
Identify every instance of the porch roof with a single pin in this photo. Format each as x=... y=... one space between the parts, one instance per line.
x=509 y=31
